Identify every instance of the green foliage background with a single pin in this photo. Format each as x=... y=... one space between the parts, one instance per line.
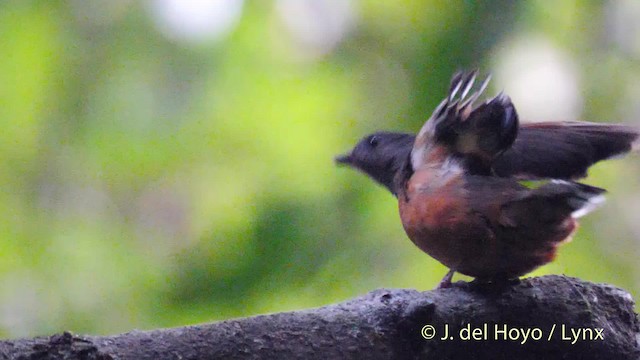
x=148 y=181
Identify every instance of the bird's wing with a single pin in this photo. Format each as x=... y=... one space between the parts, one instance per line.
x=563 y=150
x=457 y=126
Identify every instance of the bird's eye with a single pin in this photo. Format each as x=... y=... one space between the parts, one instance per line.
x=373 y=141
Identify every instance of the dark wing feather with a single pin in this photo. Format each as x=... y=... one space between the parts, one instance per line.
x=476 y=133
x=562 y=150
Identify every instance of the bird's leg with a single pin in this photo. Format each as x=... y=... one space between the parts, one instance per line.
x=446 y=280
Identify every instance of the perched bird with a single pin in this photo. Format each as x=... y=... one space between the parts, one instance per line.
x=458 y=181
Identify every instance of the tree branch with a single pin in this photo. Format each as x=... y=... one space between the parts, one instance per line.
x=550 y=317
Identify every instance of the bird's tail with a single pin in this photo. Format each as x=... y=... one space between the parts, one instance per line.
x=581 y=199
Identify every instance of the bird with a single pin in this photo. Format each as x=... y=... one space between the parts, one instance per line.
x=481 y=193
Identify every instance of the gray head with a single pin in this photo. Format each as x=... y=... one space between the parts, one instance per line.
x=380 y=155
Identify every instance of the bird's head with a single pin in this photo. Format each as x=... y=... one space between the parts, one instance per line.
x=380 y=155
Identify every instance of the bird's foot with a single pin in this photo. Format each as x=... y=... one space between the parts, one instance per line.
x=499 y=282
x=446 y=280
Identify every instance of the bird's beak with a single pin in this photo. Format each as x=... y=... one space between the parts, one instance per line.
x=344 y=159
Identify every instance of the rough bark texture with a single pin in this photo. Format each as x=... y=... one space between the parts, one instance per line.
x=390 y=324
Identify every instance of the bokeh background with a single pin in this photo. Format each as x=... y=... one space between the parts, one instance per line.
x=169 y=162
